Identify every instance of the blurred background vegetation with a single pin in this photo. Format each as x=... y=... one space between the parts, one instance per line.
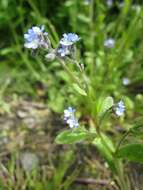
x=28 y=82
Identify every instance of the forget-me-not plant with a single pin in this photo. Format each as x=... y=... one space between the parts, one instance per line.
x=36 y=38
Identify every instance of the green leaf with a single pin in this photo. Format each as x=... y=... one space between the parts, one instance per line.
x=133 y=152
x=137 y=130
x=83 y=18
x=79 y=90
x=105 y=105
x=106 y=148
x=138 y=125
x=69 y=136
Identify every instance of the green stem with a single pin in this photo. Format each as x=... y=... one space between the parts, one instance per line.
x=121 y=175
x=81 y=72
x=92 y=35
x=122 y=179
x=121 y=140
x=117 y=163
x=102 y=139
x=69 y=72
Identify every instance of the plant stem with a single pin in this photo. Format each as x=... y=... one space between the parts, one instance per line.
x=92 y=35
x=81 y=72
x=69 y=72
x=122 y=180
x=121 y=140
x=117 y=163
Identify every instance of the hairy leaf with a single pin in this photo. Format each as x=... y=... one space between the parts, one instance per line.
x=79 y=90
x=105 y=105
x=133 y=152
x=69 y=137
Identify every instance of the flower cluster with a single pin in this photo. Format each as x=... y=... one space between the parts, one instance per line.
x=120 y=108
x=35 y=38
x=70 y=118
x=66 y=44
x=69 y=39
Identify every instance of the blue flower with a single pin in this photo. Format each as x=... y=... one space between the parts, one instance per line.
x=109 y=3
x=121 y=4
x=87 y=2
x=69 y=39
x=70 y=118
x=66 y=46
x=63 y=51
x=34 y=38
x=120 y=108
x=126 y=81
x=109 y=43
